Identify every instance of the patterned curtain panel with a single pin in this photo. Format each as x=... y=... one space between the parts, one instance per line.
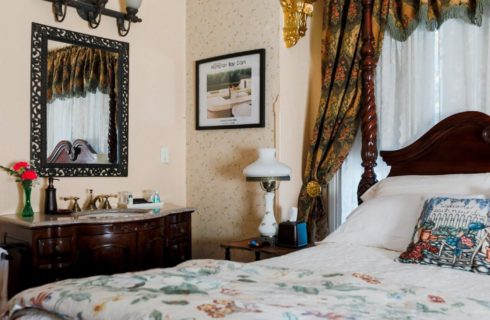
x=406 y=15
x=73 y=71
x=337 y=119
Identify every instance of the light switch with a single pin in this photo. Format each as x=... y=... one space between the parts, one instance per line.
x=164 y=155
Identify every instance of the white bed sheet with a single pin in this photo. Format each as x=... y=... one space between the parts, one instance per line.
x=350 y=258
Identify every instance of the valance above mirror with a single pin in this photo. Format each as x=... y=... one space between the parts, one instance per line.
x=79 y=104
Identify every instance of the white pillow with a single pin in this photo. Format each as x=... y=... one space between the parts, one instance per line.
x=384 y=222
x=448 y=184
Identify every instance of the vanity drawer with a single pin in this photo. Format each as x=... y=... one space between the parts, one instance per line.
x=178 y=230
x=53 y=246
x=178 y=252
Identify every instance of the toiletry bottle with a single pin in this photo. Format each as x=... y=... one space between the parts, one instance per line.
x=156 y=197
x=50 y=205
x=130 y=198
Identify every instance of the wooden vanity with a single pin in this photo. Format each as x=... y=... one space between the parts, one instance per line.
x=61 y=247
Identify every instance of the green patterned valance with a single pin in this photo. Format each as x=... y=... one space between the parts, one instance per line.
x=406 y=15
x=73 y=71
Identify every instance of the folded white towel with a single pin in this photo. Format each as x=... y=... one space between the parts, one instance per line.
x=4 y=276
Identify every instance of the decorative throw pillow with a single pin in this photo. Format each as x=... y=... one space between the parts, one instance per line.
x=452 y=233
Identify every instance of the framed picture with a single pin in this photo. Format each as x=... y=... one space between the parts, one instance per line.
x=230 y=91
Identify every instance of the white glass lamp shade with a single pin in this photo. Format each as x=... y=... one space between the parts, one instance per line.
x=266 y=167
x=134 y=4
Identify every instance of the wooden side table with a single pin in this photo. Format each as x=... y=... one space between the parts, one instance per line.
x=270 y=250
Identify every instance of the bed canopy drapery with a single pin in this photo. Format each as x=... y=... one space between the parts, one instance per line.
x=402 y=18
x=359 y=25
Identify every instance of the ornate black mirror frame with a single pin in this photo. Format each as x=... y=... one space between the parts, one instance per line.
x=40 y=36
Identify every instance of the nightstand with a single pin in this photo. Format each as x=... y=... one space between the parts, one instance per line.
x=272 y=251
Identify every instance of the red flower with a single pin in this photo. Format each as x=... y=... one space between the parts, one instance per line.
x=29 y=175
x=40 y=298
x=468 y=242
x=20 y=165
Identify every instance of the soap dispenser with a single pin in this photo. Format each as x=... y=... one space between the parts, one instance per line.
x=50 y=205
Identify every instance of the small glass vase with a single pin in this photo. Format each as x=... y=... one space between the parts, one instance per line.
x=27 y=210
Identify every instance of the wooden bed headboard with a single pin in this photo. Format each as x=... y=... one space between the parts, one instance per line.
x=80 y=151
x=458 y=144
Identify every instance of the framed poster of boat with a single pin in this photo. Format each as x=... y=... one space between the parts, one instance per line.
x=230 y=91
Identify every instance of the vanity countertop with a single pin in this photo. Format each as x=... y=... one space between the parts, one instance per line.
x=42 y=220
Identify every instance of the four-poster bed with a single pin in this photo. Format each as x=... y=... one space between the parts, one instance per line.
x=369 y=128
x=348 y=275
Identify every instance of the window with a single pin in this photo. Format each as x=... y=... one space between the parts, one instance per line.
x=419 y=82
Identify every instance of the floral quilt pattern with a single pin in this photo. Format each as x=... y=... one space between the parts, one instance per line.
x=214 y=289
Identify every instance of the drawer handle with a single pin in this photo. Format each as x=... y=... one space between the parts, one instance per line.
x=57 y=248
x=182 y=230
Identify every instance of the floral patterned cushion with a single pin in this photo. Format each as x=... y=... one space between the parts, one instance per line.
x=452 y=233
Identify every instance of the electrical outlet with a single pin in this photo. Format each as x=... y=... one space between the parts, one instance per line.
x=164 y=155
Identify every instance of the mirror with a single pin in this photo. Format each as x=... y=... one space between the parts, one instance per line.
x=79 y=104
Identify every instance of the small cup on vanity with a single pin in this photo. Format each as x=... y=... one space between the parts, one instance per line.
x=123 y=197
x=148 y=195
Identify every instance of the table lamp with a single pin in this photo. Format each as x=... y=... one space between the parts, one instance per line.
x=268 y=172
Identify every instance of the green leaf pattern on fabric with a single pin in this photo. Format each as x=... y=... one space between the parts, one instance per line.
x=271 y=293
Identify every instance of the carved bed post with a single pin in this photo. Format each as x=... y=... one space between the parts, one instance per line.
x=112 y=138
x=369 y=127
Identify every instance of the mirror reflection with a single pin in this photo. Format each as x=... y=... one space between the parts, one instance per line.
x=79 y=104
x=81 y=82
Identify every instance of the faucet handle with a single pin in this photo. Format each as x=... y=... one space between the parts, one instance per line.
x=107 y=204
x=75 y=207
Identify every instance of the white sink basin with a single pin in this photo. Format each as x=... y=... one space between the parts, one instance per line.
x=109 y=214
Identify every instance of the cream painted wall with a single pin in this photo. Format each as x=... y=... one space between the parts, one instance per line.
x=228 y=207
x=156 y=99
x=300 y=89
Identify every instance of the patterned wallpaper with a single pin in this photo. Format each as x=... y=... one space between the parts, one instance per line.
x=228 y=207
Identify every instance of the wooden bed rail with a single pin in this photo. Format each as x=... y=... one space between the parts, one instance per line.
x=369 y=126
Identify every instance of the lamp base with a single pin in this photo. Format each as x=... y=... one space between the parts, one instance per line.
x=268 y=225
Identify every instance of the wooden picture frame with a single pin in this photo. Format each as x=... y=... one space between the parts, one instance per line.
x=230 y=91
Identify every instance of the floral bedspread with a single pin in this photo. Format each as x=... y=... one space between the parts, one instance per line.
x=211 y=289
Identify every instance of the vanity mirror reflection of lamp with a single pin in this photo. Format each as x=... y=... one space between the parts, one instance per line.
x=268 y=172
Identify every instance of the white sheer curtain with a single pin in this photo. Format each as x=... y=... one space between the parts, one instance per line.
x=419 y=82
x=79 y=118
